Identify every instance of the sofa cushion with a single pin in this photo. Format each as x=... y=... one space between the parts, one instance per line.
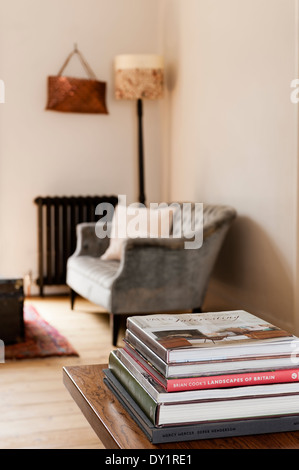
x=137 y=222
x=94 y=269
x=92 y=278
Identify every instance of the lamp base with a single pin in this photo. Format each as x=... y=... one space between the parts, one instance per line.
x=140 y=152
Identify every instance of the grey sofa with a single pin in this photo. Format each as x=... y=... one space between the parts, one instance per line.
x=154 y=275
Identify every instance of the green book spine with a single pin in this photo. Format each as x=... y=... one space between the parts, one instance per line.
x=133 y=387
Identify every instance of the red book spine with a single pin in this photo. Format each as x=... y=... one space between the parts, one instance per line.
x=220 y=381
x=233 y=380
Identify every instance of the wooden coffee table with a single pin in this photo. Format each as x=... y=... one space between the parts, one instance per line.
x=117 y=430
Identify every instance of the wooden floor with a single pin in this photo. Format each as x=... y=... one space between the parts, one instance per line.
x=36 y=411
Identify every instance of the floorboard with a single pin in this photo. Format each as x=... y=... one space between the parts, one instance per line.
x=36 y=410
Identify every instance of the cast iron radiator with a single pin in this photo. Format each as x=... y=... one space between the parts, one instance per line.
x=57 y=220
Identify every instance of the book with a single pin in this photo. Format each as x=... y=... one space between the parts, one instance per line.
x=193 y=432
x=123 y=365
x=210 y=336
x=206 y=409
x=151 y=379
x=200 y=368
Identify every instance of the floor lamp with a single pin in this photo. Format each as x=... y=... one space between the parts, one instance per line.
x=139 y=77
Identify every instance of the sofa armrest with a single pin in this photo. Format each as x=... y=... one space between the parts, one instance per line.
x=88 y=243
x=154 y=261
x=166 y=263
x=170 y=243
x=157 y=275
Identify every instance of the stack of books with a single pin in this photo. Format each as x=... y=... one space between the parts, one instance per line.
x=199 y=376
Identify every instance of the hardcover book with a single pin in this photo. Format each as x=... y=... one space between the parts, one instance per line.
x=210 y=336
x=209 y=409
x=153 y=362
x=211 y=430
x=125 y=367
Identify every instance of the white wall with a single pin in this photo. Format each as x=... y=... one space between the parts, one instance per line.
x=229 y=128
x=46 y=153
x=232 y=138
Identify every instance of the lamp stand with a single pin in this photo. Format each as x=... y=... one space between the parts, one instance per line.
x=140 y=152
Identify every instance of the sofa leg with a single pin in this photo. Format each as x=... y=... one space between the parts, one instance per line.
x=115 y=321
x=73 y=297
x=197 y=310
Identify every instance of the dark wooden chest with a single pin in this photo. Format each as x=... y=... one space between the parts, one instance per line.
x=11 y=310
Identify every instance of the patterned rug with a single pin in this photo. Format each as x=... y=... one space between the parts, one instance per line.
x=41 y=339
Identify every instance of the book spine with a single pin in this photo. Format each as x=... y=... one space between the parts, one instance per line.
x=233 y=380
x=134 y=342
x=228 y=428
x=157 y=375
x=224 y=429
x=133 y=387
x=219 y=381
x=148 y=341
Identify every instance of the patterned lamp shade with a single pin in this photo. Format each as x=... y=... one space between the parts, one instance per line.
x=139 y=77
